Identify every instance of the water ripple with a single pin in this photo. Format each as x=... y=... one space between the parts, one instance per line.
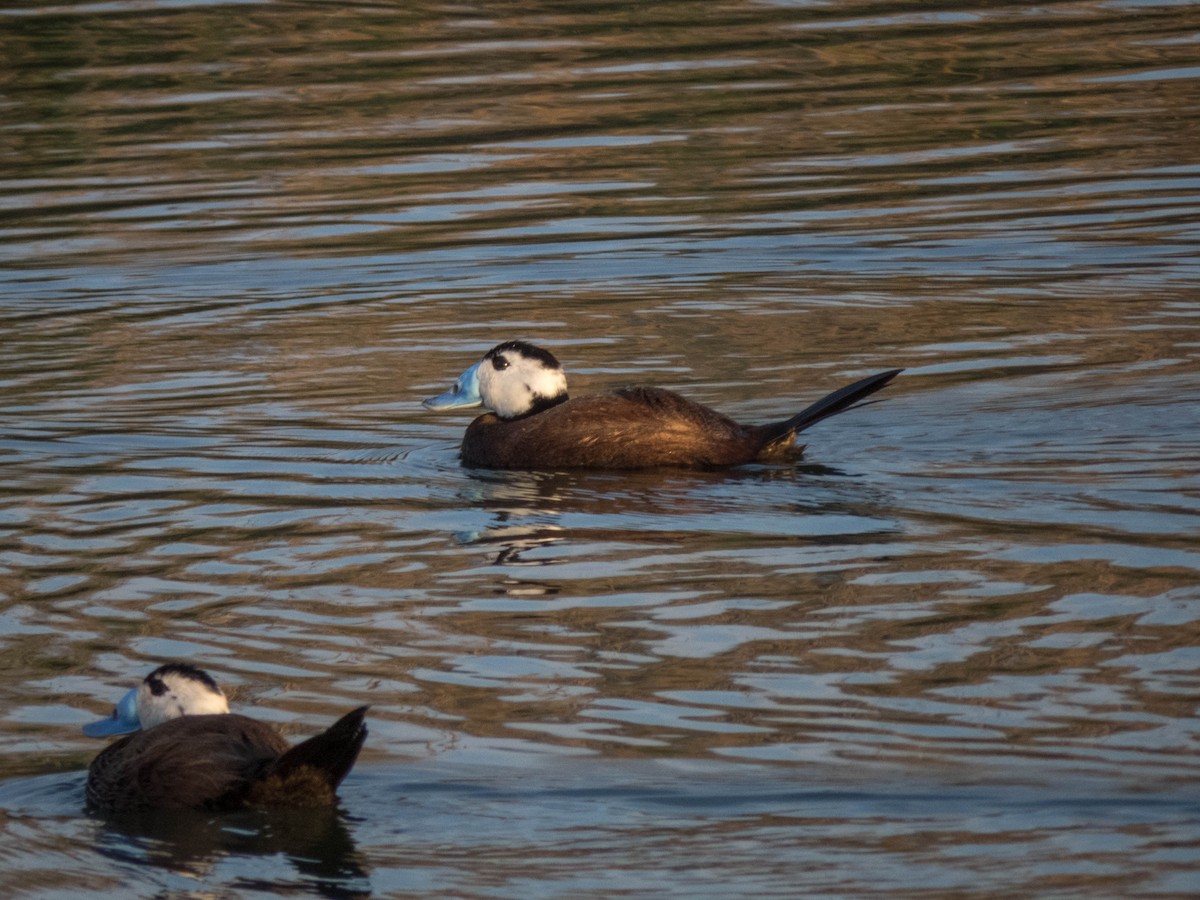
x=240 y=242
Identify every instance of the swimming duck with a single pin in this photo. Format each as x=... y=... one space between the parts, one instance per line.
x=188 y=751
x=534 y=424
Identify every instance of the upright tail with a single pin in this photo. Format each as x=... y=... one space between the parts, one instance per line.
x=309 y=773
x=780 y=433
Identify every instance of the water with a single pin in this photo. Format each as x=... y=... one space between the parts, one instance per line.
x=955 y=650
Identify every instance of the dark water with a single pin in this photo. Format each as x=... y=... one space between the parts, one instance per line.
x=955 y=651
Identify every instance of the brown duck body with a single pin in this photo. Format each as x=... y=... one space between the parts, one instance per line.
x=222 y=762
x=643 y=427
x=634 y=428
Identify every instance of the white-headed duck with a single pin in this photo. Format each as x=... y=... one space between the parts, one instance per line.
x=534 y=424
x=188 y=751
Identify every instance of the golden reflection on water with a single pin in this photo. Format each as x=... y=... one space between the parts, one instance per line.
x=241 y=242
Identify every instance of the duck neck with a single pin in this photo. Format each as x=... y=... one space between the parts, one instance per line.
x=541 y=404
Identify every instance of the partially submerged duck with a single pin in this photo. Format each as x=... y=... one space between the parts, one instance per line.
x=188 y=751
x=534 y=424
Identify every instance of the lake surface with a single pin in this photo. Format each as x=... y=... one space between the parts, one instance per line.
x=955 y=650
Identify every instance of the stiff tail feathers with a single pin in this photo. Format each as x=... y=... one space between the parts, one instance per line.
x=839 y=401
x=331 y=754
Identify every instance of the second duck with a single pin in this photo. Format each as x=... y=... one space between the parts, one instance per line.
x=534 y=424
x=188 y=751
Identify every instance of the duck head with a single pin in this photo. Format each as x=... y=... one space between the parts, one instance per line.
x=170 y=691
x=513 y=379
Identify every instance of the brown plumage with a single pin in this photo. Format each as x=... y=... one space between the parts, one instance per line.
x=186 y=751
x=641 y=427
x=644 y=427
x=221 y=762
x=534 y=424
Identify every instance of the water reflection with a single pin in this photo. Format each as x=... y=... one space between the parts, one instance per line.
x=192 y=846
x=242 y=241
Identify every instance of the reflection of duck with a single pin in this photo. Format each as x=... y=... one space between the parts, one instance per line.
x=317 y=845
x=189 y=751
x=533 y=424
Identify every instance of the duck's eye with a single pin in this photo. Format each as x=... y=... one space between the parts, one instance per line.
x=499 y=363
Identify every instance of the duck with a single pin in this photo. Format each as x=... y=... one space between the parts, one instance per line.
x=184 y=749
x=533 y=423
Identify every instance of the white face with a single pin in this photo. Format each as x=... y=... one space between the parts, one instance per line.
x=168 y=694
x=512 y=383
